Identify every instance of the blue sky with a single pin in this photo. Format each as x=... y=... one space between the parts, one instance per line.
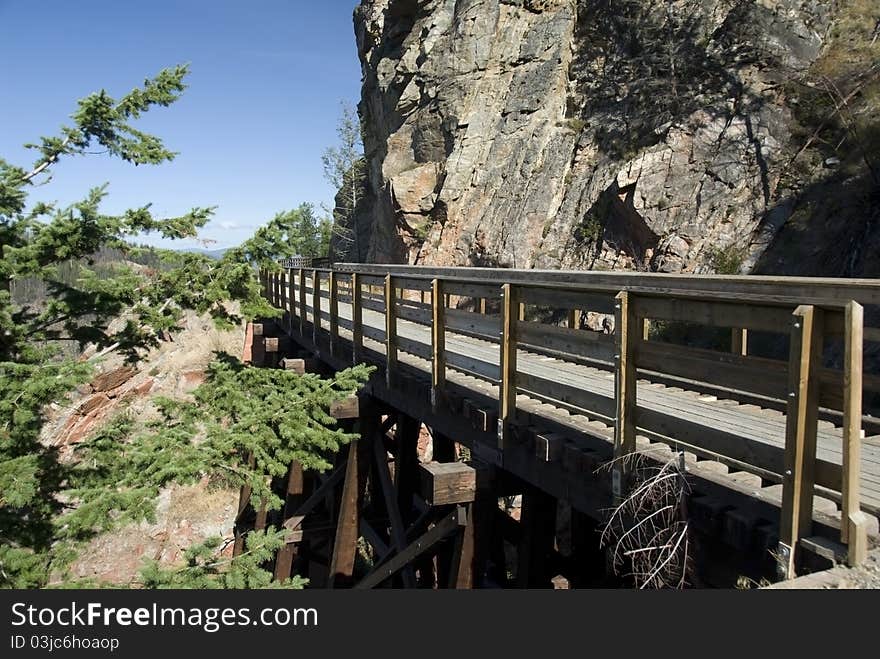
x=265 y=86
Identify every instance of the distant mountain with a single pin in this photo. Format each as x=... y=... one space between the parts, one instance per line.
x=211 y=253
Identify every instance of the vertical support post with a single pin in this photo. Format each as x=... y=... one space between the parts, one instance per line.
x=345 y=543
x=334 y=312
x=800 y=434
x=507 y=393
x=574 y=319
x=739 y=341
x=294 y=498
x=538 y=522
x=522 y=311
x=438 y=344
x=853 y=524
x=357 y=319
x=302 y=302
x=390 y=332
x=316 y=306
x=483 y=306
x=646 y=329
x=625 y=328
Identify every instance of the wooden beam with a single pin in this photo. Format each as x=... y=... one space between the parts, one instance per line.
x=293 y=499
x=739 y=341
x=346 y=408
x=507 y=402
x=625 y=329
x=291 y=301
x=438 y=344
x=800 y=435
x=444 y=483
x=390 y=333
x=435 y=534
x=538 y=523
x=345 y=542
x=461 y=574
x=398 y=532
x=316 y=306
x=357 y=319
x=302 y=302
x=334 y=314
x=853 y=525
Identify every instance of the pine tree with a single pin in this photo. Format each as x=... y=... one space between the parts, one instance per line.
x=48 y=508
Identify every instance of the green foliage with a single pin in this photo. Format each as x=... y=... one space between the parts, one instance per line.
x=206 y=569
x=48 y=507
x=727 y=260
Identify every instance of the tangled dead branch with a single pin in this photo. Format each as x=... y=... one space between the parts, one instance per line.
x=647 y=533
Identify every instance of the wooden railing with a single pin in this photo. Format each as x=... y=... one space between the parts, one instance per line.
x=818 y=317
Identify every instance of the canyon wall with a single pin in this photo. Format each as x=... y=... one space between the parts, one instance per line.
x=678 y=136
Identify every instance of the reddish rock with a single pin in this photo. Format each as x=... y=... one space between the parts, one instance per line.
x=92 y=403
x=113 y=379
x=190 y=380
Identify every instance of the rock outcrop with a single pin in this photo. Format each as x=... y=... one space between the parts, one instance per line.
x=679 y=136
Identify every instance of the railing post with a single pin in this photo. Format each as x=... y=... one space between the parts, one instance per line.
x=739 y=341
x=302 y=302
x=334 y=313
x=316 y=306
x=800 y=435
x=574 y=319
x=438 y=344
x=853 y=525
x=390 y=332
x=625 y=330
x=291 y=301
x=509 y=339
x=282 y=292
x=357 y=319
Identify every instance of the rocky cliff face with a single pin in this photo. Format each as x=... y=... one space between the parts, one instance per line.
x=678 y=136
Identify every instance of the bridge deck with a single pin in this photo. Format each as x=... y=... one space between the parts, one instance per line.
x=671 y=414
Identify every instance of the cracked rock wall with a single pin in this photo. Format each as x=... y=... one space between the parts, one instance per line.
x=591 y=133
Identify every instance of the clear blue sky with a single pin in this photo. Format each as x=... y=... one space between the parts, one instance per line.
x=266 y=81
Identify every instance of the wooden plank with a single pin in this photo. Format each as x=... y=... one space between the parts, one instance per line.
x=357 y=319
x=390 y=333
x=470 y=289
x=414 y=315
x=316 y=305
x=416 y=548
x=302 y=302
x=625 y=329
x=293 y=499
x=546 y=296
x=334 y=314
x=444 y=483
x=853 y=525
x=475 y=324
x=800 y=436
x=345 y=543
x=584 y=344
x=766 y=377
x=291 y=300
x=715 y=314
x=346 y=408
x=739 y=341
x=438 y=344
x=507 y=394
x=461 y=575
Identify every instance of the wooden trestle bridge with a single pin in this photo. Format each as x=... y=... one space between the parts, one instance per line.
x=774 y=416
